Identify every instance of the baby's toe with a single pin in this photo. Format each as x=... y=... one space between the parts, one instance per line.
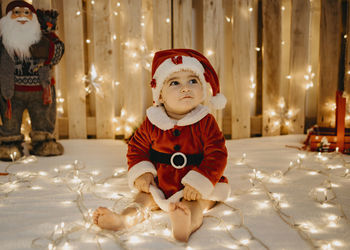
x=183 y=207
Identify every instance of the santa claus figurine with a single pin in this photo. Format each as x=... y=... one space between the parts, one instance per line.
x=25 y=83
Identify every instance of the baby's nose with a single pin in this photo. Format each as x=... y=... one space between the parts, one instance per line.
x=185 y=88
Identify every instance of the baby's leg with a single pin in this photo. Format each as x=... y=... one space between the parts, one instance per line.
x=107 y=219
x=187 y=216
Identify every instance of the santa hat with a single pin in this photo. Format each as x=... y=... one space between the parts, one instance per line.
x=166 y=62
x=22 y=4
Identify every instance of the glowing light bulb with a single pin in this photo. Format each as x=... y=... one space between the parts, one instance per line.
x=167 y=232
x=135 y=240
x=209 y=52
x=337 y=243
x=284 y=205
x=227 y=212
x=42 y=173
x=95 y=172
x=245 y=241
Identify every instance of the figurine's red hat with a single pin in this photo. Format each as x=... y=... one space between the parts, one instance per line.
x=15 y=4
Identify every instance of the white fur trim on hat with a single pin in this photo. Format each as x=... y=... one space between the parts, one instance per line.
x=139 y=169
x=218 y=101
x=167 y=67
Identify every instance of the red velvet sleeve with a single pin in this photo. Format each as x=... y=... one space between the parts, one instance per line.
x=139 y=145
x=215 y=152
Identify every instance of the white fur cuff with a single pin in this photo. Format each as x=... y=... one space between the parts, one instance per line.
x=221 y=192
x=198 y=181
x=139 y=169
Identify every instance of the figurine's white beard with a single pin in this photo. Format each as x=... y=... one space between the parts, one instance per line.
x=17 y=37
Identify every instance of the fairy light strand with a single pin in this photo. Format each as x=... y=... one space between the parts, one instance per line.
x=261 y=178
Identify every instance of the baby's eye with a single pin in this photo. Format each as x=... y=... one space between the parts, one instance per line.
x=193 y=81
x=174 y=83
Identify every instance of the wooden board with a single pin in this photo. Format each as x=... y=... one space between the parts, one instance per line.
x=4 y=4
x=298 y=63
x=227 y=86
x=314 y=48
x=133 y=86
x=162 y=24
x=253 y=36
x=329 y=60
x=347 y=61
x=213 y=43
x=103 y=54
x=182 y=23
x=241 y=70
x=42 y=4
x=74 y=52
x=286 y=19
x=271 y=64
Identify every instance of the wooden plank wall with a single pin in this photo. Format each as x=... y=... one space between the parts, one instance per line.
x=329 y=59
x=262 y=58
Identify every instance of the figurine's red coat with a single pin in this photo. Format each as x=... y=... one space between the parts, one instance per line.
x=203 y=136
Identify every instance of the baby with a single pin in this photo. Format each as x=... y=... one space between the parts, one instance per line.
x=178 y=156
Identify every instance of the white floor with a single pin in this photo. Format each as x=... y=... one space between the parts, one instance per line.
x=45 y=204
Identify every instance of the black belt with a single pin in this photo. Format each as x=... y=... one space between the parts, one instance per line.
x=177 y=159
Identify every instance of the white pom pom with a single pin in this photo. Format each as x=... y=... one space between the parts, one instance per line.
x=218 y=101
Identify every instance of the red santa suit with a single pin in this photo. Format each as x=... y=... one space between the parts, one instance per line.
x=195 y=134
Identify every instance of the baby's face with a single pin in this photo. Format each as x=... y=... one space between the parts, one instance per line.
x=182 y=92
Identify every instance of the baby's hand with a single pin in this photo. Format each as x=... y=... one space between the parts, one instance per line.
x=191 y=194
x=142 y=182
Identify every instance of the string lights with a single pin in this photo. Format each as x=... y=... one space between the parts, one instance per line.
x=281 y=118
x=329 y=165
x=330 y=168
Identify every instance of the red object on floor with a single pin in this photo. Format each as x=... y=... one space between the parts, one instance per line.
x=337 y=137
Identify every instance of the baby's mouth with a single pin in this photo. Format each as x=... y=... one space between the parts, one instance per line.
x=187 y=97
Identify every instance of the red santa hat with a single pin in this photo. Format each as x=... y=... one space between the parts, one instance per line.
x=166 y=62
x=22 y=4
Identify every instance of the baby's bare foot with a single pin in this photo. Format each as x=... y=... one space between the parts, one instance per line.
x=180 y=216
x=106 y=219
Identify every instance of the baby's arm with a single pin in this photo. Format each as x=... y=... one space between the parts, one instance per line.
x=204 y=177
x=143 y=182
x=138 y=154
